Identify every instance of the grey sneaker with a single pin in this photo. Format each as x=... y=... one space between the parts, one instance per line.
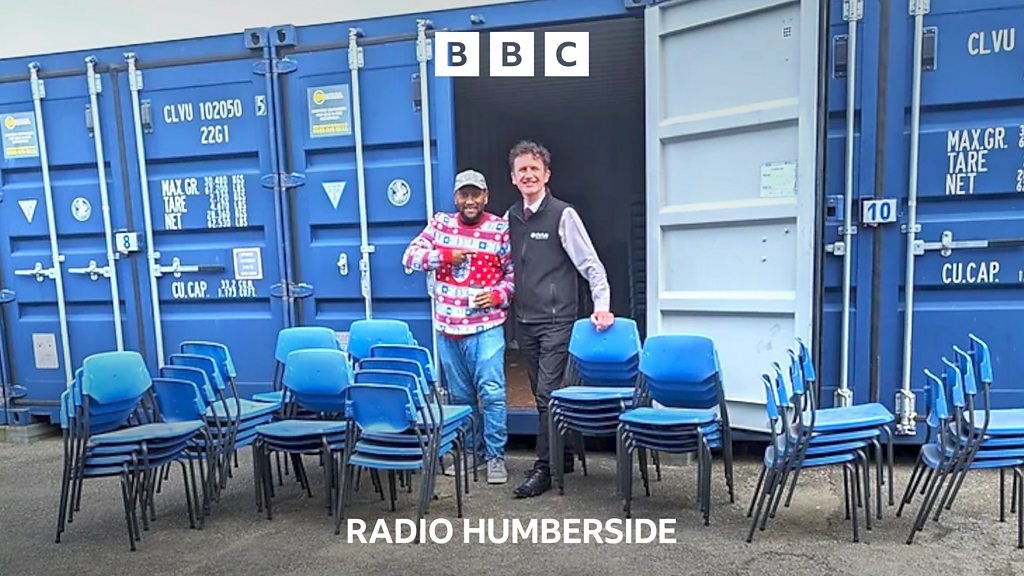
x=496 y=472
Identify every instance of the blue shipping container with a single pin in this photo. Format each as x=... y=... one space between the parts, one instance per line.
x=746 y=169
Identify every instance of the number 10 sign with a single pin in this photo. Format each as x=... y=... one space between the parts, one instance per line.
x=875 y=212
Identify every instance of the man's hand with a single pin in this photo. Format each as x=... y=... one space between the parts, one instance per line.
x=602 y=320
x=460 y=256
x=485 y=299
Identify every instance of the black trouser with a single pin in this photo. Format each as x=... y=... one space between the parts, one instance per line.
x=545 y=349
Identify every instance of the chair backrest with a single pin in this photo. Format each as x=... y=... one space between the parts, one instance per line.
x=954 y=380
x=365 y=334
x=807 y=363
x=219 y=352
x=178 y=400
x=204 y=363
x=316 y=379
x=390 y=378
x=967 y=369
x=617 y=344
x=982 y=360
x=380 y=408
x=939 y=410
x=397 y=365
x=112 y=377
x=304 y=338
x=193 y=375
x=407 y=352
x=682 y=370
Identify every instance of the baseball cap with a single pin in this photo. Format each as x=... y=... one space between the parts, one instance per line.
x=470 y=178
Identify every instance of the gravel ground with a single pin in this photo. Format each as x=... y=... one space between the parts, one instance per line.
x=811 y=537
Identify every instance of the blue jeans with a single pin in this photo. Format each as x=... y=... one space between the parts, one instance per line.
x=474 y=369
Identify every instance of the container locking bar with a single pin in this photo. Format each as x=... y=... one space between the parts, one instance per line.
x=92 y=270
x=54 y=272
x=946 y=244
x=177 y=268
x=906 y=418
x=39 y=272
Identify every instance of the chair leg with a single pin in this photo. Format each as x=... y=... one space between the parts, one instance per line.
x=915 y=478
x=846 y=490
x=854 y=480
x=1018 y=492
x=867 y=489
x=458 y=484
x=1002 y=495
x=769 y=481
x=127 y=510
x=628 y=486
x=555 y=450
x=188 y=496
x=879 y=477
x=644 y=472
x=657 y=466
x=1013 y=499
x=729 y=476
x=757 y=490
x=392 y=495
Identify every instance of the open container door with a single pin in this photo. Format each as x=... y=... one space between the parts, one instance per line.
x=731 y=163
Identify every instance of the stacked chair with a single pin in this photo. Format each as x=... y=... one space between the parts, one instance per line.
x=288 y=341
x=111 y=428
x=600 y=383
x=397 y=420
x=965 y=438
x=682 y=410
x=236 y=417
x=804 y=436
x=315 y=381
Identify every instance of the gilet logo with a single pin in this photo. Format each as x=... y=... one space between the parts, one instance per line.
x=539 y=235
x=512 y=54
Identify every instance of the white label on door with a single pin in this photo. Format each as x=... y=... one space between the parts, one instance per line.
x=44 y=348
x=778 y=179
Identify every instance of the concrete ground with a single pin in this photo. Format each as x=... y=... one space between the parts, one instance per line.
x=810 y=538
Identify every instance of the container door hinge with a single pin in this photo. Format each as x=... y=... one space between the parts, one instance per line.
x=176 y=268
x=280 y=66
x=853 y=10
x=6 y=296
x=291 y=290
x=283 y=180
x=920 y=7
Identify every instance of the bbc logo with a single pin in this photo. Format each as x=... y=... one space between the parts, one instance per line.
x=512 y=54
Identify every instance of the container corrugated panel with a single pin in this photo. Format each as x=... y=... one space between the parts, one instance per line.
x=967 y=274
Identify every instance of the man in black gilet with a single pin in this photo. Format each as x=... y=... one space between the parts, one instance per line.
x=550 y=249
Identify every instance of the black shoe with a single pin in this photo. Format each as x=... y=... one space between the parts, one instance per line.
x=536 y=484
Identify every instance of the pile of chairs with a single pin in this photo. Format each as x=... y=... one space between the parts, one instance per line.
x=600 y=383
x=805 y=436
x=682 y=410
x=112 y=428
x=964 y=437
x=376 y=407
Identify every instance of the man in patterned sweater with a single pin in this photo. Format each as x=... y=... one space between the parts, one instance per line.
x=474 y=282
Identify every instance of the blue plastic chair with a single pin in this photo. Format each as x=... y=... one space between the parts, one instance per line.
x=681 y=373
x=314 y=381
x=599 y=384
x=111 y=430
x=289 y=340
x=964 y=440
x=788 y=443
x=391 y=429
x=365 y=334
x=953 y=442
